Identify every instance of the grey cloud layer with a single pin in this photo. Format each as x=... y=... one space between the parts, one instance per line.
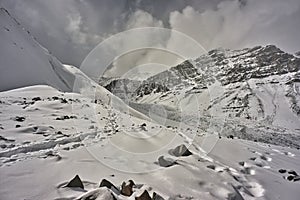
x=71 y=28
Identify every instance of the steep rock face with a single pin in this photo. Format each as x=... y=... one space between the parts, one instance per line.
x=242 y=65
x=221 y=65
x=128 y=89
x=123 y=88
x=148 y=88
x=250 y=88
x=182 y=75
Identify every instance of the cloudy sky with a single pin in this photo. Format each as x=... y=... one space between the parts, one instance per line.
x=70 y=29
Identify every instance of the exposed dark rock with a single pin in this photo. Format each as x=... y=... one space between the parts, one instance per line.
x=19 y=119
x=127 y=188
x=166 y=162
x=108 y=184
x=293 y=173
x=63 y=100
x=5 y=139
x=75 y=182
x=296 y=178
x=282 y=171
x=121 y=87
x=147 y=88
x=143 y=126
x=290 y=178
x=181 y=150
x=211 y=167
x=36 y=99
x=230 y=136
x=66 y=117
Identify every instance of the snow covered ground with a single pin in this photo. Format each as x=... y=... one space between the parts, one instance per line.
x=60 y=137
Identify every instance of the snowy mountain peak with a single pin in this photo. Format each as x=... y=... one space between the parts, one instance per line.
x=259 y=84
x=230 y=66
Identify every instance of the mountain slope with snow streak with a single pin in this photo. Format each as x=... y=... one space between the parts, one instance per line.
x=24 y=61
x=255 y=91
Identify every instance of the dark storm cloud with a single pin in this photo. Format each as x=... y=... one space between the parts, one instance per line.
x=71 y=28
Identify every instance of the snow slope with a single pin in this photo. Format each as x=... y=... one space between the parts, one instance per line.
x=24 y=61
x=95 y=141
x=31 y=64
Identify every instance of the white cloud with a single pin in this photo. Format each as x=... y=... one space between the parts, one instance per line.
x=233 y=24
x=141 y=18
x=77 y=33
x=131 y=41
x=71 y=28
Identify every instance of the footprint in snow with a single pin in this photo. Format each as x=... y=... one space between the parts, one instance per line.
x=216 y=168
x=261 y=161
x=248 y=171
x=266 y=158
x=287 y=153
x=247 y=168
x=251 y=188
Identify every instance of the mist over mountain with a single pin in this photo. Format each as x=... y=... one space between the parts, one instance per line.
x=257 y=85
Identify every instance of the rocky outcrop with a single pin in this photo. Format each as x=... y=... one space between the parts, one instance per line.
x=180 y=150
x=75 y=183
x=252 y=88
x=147 y=88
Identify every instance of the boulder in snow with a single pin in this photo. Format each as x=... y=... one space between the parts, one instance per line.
x=166 y=162
x=127 y=188
x=109 y=185
x=181 y=150
x=75 y=182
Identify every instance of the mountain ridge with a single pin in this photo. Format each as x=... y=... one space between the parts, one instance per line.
x=253 y=85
